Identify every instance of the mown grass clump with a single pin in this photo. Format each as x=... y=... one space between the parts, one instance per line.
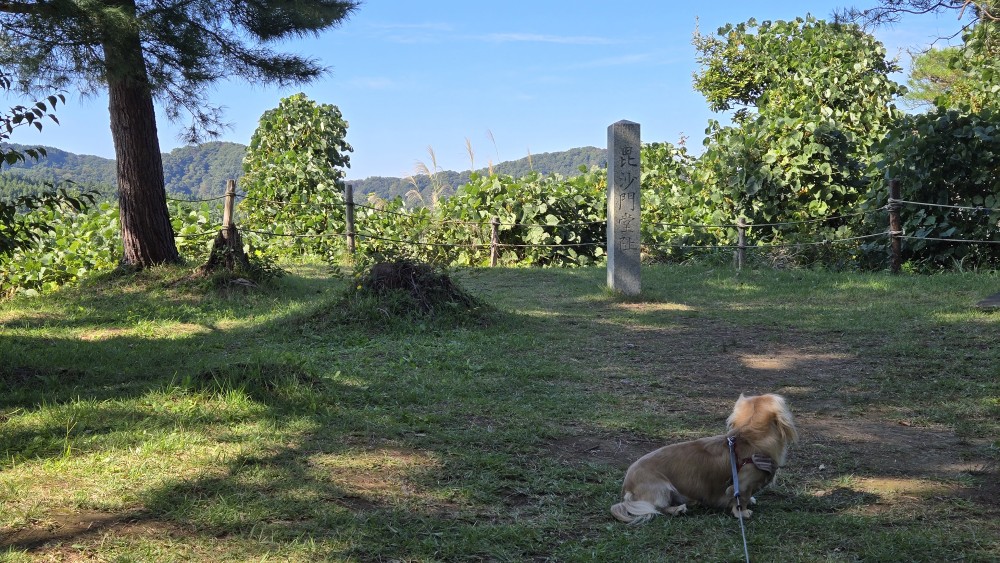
x=261 y=380
x=402 y=292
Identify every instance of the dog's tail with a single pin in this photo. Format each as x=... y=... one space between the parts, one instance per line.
x=634 y=511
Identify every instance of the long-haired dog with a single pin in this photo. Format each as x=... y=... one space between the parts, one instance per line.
x=666 y=480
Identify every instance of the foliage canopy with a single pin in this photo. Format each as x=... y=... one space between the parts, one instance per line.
x=185 y=45
x=811 y=99
x=293 y=174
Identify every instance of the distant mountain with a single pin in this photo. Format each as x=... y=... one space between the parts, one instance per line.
x=565 y=163
x=192 y=171
x=201 y=171
x=58 y=166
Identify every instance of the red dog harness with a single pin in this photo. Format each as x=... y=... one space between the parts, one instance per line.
x=760 y=461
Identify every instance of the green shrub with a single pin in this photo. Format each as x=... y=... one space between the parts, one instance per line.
x=293 y=178
x=945 y=158
x=70 y=245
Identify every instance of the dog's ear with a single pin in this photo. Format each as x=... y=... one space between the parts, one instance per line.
x=731 y=419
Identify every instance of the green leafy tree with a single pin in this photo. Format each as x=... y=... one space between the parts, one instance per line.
x=810 y=100
x=950 y=156
x=293 y=176
x=675 y=203
x=953 y=77
x=966 y=76
x=979 y=59
x=165 y=50
x=934 y=80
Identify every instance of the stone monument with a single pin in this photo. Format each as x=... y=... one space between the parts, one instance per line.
x=623 y=207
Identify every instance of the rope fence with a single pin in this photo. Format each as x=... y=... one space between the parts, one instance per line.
x=195 y=200
x=781 y=224
x=893 y=206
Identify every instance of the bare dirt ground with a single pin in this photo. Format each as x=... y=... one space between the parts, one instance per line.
x=844 y=428
x=54 y=537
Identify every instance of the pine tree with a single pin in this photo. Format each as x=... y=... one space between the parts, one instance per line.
x=169 y=51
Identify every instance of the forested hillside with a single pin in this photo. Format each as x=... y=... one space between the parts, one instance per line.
x=201 y=171
x=193 y=171
x=29 y=177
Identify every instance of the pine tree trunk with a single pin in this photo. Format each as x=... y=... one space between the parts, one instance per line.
x=142 y=199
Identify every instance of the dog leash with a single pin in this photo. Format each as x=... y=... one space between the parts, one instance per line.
x=736 y=493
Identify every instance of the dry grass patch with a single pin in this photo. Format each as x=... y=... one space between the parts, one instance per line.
x=785 y=359
x=103 y=334
x=904 y=487
x=382 y=476
x=655 y=307
x=61 y=534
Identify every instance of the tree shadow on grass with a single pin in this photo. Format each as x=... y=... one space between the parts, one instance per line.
x=341 y=465
x=396 y=458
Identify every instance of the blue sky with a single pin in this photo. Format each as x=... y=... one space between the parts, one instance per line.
x=538 y=76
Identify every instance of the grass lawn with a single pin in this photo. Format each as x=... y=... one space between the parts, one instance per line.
x=143 y=418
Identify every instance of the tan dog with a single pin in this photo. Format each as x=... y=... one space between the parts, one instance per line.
x=666 y=480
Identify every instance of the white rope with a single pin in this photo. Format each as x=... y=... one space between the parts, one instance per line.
x=964 y=207
x=770 y=245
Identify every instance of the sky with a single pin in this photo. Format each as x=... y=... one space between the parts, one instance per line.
x=512 y=78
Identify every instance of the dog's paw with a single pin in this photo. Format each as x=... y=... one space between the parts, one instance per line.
x=745 y=514
x=677 y=510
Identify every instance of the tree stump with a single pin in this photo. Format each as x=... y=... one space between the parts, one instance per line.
x=227 y=253
x=227 y=249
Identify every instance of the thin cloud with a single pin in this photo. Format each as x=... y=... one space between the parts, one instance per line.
x=410 y=33
x=373 y=83
x=541 y=38
x=426 y=26
x=621 y=60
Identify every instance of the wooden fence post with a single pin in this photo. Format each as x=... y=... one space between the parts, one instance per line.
x=227 y=248
x=228 y=210
x=349 y=216
x=494 y=241
x=895 y=227
x=741 y=242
